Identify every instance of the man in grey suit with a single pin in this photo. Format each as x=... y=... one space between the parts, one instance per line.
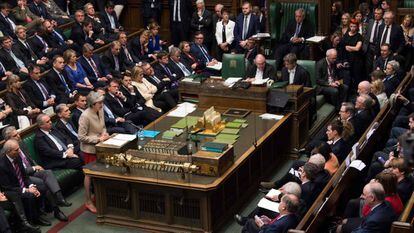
x=371 y=37
x=37 y=174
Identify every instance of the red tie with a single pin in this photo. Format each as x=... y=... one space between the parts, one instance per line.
x=275 y=219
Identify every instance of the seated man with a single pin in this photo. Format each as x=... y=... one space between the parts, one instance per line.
x=23 y=16
x=294 y=37
x=391 y=80
x=59 y=81
x=57 y=151
x=85 y=34
x=11 y=58
x=37 y=174
x=178 y=68
x=251 y=51
x=93 y=67
x=39 y=92
x=65 y=125
x=199 y=50
x=113 y=123
x=363 y=114
x=39 y=9
x=7 y=21
x=260 y=70
x=364 y=88
x=125 y=50
x=287 y=218
x=162 y=70
x=386 y=56
x=329 y=83
x=80 y=106
x=340 y=149
x=294 y=73
x=109 y=20
x=56 y=39
x=113 y=61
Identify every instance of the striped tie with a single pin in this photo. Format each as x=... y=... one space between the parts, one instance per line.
x=18 y=173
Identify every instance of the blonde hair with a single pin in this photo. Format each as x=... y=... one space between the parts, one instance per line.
x=377 y=87
x=68 y=54
x=136 y=71
x=11 y=82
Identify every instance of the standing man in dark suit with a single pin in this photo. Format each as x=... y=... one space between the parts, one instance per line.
x=93 y=67
x=151 y=10
x=294 y=73
x=59 y=82
x=37 y=174
x=56 y=150
x=381 y=215
x=180 y=13
x=178 y=68
x=202 y=21
x=390 y=33
x=287 y=219
x=65 y=125
x=329 y=83
x=80 y=107
x=113 y=61
x=260 y=70
x=294 y=37
x=370 y=38
x=7 y=21
x=38 y=90
x=246 y=26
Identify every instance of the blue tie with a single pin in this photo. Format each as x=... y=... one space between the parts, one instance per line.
x=69 y=126
x=60 y=38
x=109 y=112
x=67 y=91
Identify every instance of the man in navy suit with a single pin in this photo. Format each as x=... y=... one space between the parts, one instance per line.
x=178 y=68
x=287 y=219
x=202 y=21
x=7 y=22
x=247 y=25
x=386 y=56
x=339 y=147
x=39 y=9
x=200 y=50
x=294 y=73
x=390 y=33
x=38 y=90
x=180 y=15
x=109 y=20
x=294 y=37
x=93 y=67
x=59 y=82
x=382 y=215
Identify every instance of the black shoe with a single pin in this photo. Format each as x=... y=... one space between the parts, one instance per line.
x=60 y=215
x=240 y=219
x=27 y=227
x=42 y=222
x=63 y=203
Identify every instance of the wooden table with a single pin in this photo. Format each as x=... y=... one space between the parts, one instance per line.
x=174 y=202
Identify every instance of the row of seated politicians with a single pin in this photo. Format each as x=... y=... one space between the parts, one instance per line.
x=387 y=181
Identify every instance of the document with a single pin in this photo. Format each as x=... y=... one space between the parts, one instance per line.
x=182 y=110
x=231 y=81
x=216 y=66
x=114 y=142
x=261 y=35
x=125 y=137
x=260 y=81
x=268 y=116
x=358 y=164
x=273 y=193
x=316 y=39
x=269 y=205
x=48 y=111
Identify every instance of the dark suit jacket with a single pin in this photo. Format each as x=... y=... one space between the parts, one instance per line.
x=302 y=76
x=48 y=151
x=5 y=26
x=25 y=150
x=54 y=41
x=196 y=51
x=34 y=92
x=17 y=103
x=176 y=70
x=309 y=193
x=109 y=63
x=188 y=61
x=89 y=70
x=269 y=72
x=9 y=180
x=78 y=35
x=281 y=225
x=381 y=63
x=134 y=47
x=106 y=23
x=76 y=113
x=66 y=132
x=146 y=7
x=115 y=107
x=42 y=12
x=38 y=47
x=397 y=40
x=8 y=62
x=379 y=220
x=391 y=83
x=58 y=86
x=362 y=120
x=132 y=100
x=253 y=29
x=161 y=86
x=205 y=25
x=250 y=56
x=306 y=31
x=405 y=189
x=367 y=36
x=340 y=149
x=161 y=72
x=185 y=9
x=26 y=54
x=321 y=179
x=322 y=72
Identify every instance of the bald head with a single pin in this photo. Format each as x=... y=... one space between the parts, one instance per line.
x=11 y=148
x=373 y=193
x=289 y=204
x=260 y=61
x=364 y=87
x=331 y=55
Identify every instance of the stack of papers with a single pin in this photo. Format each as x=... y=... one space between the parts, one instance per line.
x=260 y=81
x=216 y=66
x=269 y=205
x=230 y=131
x=273 y=192
x=169 y=134
x=316 y=39
x=183 y=110
x=227 y=136
x=120 y=139
x=261 y=35
x=231 y=81
x=268 y=116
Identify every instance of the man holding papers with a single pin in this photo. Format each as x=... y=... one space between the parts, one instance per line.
x=260 y=70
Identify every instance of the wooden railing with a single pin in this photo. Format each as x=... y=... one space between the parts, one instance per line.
x=406 y=221
x=327 y=201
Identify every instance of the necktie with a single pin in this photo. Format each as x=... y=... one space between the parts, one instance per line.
x=26 y=162
x=64 y=83
x=384 y=37
x=61 y=144
x=43 y=90
x=19 y=63
x=60 y=38
x=116 y=63
x=2 y=69
x=95 y=69
x=184 y=69
x=22 y=97
x=11 y=23
x=204 y=52
x=109 y=112
x=245 y=27
x=45 y=45
x=167 y=70
x=18 y=173
x=297 y=30
x=375 y=32
x=274 y=220
x=40 y=11
x=32 y=54
x=156 y=79
x=112 y=21
x=224 y=34
x=69 y=126
x=128 y=55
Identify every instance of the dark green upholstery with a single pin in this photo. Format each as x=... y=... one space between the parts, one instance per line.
x=281 y=13
x=67 y=178
x=271 y=62
x=408 y=4
x=67 y=33
x=234 y=65
x=310 y=67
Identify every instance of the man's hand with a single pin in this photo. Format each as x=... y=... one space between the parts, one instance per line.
x=38 y=168
x=119 y=119
x=34 y=190
x=24 y=70
x=243 y=43
x=69 y=153
x=69 y=42
x=8 y=73
x=2 y=197
x=193 y=66
x=103 y=79
x=99 y=41
x=50 y=101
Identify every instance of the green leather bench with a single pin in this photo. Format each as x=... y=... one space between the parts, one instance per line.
x=68 y=178
x=408 y=4
x=280 y=13
x=233 y=65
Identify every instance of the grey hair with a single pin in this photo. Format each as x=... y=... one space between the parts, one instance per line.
x=318 y=160
x=395 y=65
x=290 y=58
x=330 y=52
x=349 y=107
x=85 y=7
x=300 y=10
x=292 y=188
x=377 y=190
x=39 y=119
x=292 y=203
x=7 y=131
x=174 y=50
x=199 y=1
x=59 y=108
x=8 y=145
x=94 y=97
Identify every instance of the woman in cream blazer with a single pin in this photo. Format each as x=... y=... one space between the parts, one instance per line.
x=145 y=88
x=224 y=27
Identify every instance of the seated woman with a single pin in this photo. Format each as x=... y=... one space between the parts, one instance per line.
x=139 y=48
x=378 y=89
x=154 y=41
x=24 y=110
x=405 y=185
x=146 y=89
x=76 y=73
x=189 y=59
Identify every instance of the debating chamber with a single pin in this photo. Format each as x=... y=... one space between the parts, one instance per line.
x=182 y=116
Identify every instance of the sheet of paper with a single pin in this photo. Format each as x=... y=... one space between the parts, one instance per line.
x=358 y=164
x=269 y=116
x=114 y=142
x=355 y=149
x=216 y=66
x=260 y=81
x=231 y=81
x=269 y=205
x=273 y=192
x=182 y=110
x=48 y=111
x=261 y=35
x=316 y=39
x=125 y=137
